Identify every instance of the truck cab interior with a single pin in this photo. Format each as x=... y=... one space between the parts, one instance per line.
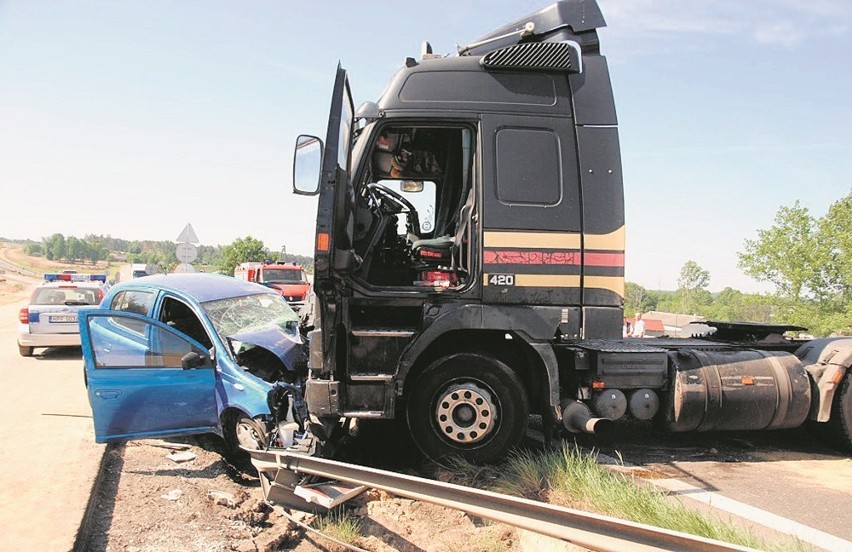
x=413 y=207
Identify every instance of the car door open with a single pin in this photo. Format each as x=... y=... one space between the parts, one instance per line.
x=145 y=379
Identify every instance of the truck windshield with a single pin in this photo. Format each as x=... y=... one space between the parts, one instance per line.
x=283 y=276
x=251 y=313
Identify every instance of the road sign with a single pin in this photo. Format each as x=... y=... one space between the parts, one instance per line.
x=188 y=235
x=184 y=267
x=186 y=252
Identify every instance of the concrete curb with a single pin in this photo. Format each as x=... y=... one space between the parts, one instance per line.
x=81 y=540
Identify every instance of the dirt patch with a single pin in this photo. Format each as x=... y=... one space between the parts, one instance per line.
x=12 y=291
x=150 y=503
x=14 y=254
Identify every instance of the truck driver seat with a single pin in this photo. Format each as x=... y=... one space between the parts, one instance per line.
x=436 y=258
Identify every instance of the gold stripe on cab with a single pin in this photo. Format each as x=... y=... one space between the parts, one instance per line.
x=532 y=240
x=610 y=283
x=542 y=280
x=614 y=241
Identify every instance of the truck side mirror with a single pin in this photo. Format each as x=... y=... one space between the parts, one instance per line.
x=307 y=165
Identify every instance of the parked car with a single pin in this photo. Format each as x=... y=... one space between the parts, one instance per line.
x=182 y=354
x=50 y=317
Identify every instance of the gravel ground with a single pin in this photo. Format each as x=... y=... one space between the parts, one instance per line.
x=148 y=502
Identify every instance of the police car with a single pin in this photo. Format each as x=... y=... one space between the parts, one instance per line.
x=50 y=319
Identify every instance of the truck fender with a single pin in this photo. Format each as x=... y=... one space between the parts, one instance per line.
x=534 y=326
x=827 y=361
x=551 y=365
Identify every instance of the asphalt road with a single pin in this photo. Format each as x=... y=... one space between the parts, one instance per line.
x=49 y=456
x=791 y=474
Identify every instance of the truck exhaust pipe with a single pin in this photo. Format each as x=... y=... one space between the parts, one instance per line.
x=577 y=418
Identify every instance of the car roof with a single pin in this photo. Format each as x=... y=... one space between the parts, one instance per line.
x=202 y=287
x=284 y=266
x=66 y=284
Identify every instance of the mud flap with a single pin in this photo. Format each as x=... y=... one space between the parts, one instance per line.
x=827 y=380
x=826 y=360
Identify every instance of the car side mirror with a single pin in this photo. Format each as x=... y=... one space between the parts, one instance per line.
x=307 y=165
x=193 y=360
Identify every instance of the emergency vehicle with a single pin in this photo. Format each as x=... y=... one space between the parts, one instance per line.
x=288 y=279
x=50 y=317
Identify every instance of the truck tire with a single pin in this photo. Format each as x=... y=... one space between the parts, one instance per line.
x=840 y=422
x=470 y=405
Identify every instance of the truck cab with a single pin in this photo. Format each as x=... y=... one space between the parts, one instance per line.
x=469 y=262
x=475 y=209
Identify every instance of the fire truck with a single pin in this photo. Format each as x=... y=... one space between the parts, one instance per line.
x=288 y=279
x=469 y=263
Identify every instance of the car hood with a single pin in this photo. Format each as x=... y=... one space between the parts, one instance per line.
x=285 y=346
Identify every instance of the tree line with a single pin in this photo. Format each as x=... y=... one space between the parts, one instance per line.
x=808 y=259
x=93 y=248
x=250 y=249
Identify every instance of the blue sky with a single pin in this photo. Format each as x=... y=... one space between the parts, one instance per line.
x=134 y=118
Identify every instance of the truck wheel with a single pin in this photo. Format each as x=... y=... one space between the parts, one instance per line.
x=840 y=422
x=25 y=351
x=470 y=405
x=246 y=432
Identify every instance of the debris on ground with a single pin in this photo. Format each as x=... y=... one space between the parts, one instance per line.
x=221 y=498
x=180 y=457
x=168 y=445
x=172 y=495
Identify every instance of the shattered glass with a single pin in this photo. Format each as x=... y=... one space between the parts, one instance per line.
x=250 y=313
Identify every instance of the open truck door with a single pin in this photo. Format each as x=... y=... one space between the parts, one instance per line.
x=335 y=224
x=145 y=379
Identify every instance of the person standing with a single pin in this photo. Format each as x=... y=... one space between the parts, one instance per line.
x=638 y=326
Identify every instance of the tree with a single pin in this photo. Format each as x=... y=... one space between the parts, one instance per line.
x=810 y=262
x=692 y=286
x=834 y=243
x=242 y=250
x=636 y=299
x=54 y=247
x=785 y=254
x=74 y=248
x=34 y=249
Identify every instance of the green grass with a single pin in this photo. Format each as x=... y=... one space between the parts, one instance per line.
x=339 y=524
x=569 y=478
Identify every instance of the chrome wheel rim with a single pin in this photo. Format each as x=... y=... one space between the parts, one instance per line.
x=466 y=413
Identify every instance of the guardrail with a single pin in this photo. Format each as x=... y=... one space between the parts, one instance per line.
x=18 y=270
x=592 y=531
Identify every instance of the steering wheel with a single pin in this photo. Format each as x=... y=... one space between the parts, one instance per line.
x=380 y=190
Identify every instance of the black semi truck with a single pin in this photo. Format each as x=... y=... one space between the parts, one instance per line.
x=469 y=263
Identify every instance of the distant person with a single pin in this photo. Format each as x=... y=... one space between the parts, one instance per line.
x=626 y=329
x=638 y=326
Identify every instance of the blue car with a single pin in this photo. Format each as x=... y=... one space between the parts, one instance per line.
x=183 y=354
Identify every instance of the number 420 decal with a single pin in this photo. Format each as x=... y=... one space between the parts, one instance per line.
x=501 y=280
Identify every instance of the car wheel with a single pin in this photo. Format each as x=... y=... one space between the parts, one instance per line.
x=25 y=351
x=470 y=405
x=245 y=432
x=840 y=422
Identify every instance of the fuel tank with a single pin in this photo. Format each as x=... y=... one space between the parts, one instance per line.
x=736 y=390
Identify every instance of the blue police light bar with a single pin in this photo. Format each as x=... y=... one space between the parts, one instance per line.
x=55 y=277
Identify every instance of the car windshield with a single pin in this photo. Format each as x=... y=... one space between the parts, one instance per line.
x=66 y=295
x=250 y=313
x=282 y=276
